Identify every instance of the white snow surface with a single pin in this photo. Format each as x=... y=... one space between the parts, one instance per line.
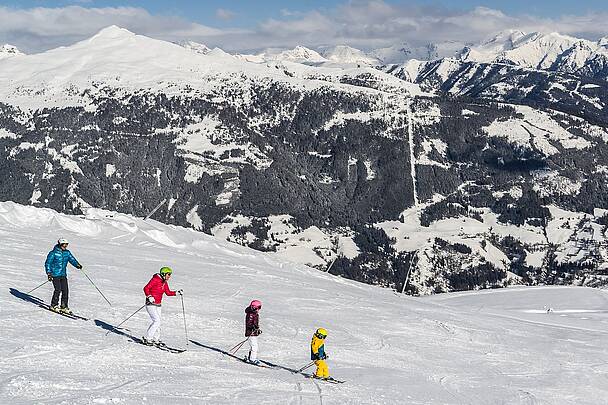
x=489 y=347
x=537 y=130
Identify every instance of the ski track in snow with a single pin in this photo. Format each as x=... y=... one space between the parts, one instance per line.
x=482 y=347
x=410 y=140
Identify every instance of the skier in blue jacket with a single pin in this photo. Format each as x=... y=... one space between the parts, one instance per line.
x=55 y=266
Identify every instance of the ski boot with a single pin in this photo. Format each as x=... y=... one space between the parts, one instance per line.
x=146 y=341
x=255 y=362
x=55 y=308
x=158 y=343
x=66 y=310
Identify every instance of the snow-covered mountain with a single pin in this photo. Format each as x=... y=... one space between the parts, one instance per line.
x=195 y=47
x=551 y=51
x=7 y=50
x=299 y=54
x=347 y=55
x=450 y=174
x=527 y=345
x=401 y=53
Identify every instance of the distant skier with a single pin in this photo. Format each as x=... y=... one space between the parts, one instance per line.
x=154 y=290
x=252 y=329
x=317 y=353
x=56 y=270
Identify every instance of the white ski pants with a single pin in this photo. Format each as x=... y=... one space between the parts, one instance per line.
x=253 y=348
x=154 y=329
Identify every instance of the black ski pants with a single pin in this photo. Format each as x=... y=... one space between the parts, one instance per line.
x=61 y=288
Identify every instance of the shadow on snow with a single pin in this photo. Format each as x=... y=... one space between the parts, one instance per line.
x=226 y=353
x=29 y=298
x=118 y=331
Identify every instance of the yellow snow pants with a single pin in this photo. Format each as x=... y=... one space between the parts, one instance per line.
x=322 y=369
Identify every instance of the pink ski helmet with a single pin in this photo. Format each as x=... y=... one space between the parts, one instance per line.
x=255 y=304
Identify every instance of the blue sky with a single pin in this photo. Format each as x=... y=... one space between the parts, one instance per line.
x=239 y=25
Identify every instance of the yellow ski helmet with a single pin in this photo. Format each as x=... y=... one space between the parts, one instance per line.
x=165 y=270
x=321 y=333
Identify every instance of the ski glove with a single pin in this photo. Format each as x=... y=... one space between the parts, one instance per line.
x=150 y=299
x=49 y=277
x=180 y=292
x=79 y=266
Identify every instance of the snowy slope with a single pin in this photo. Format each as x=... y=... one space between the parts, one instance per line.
x=497 y=346
x=195 y=47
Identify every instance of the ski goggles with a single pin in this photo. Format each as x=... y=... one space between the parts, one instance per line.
x=320 y=336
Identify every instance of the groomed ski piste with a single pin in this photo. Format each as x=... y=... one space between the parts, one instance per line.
x=527 y=345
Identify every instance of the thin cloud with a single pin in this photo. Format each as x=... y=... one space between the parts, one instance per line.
x=224 y=14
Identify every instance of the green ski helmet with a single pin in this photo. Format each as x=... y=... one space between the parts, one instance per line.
x=165 y=270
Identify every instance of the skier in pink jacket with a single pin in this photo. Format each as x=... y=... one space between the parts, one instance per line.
x=252 y=329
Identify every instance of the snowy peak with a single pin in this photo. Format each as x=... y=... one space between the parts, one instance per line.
x=552 y=51
x=202 y=49
x=504 y=41
x=534 y=50
x=110 y=33
x=403 y=52
x=118 y=56
x=7 y=50
x=10 y=49
x=395 y=54
x=348 y=55
x=195 y=47
x=301 y=53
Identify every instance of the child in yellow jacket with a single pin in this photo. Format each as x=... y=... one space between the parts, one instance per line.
x=317 y=353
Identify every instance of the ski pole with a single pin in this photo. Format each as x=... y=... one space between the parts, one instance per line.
x=184 y=312
x=306 y=366
x=31 y=291
x=104 y=297
x=130 y=316
x=238 y=346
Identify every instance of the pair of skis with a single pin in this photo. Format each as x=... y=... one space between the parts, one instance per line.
x=136 y=340
x=327 y=380
x=64 y=314
x=266 y=364
x=331 y=380
x=162 y=347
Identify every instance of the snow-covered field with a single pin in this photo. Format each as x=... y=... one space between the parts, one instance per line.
x=489 y=347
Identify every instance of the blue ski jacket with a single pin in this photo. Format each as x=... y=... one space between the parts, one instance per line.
x=57 y=261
